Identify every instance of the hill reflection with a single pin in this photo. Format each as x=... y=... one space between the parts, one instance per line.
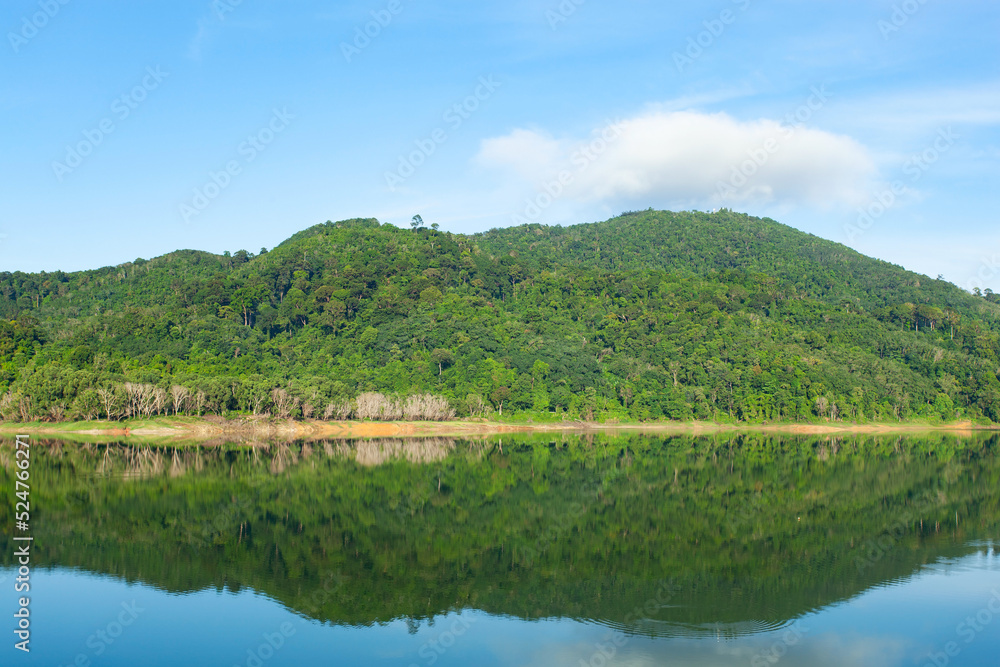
x=728 y=535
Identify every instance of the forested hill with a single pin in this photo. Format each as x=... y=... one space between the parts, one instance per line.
x=800 y=264
x=651 y=315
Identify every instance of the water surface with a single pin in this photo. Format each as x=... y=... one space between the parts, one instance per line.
x=533 y=550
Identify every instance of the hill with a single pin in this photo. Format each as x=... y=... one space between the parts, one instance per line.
x=649 y=315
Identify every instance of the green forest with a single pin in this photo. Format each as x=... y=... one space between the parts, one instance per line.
x=652 y=315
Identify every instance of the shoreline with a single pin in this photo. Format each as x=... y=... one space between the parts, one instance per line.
x=210 y=430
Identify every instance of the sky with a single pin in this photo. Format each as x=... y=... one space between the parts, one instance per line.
x=132 y=129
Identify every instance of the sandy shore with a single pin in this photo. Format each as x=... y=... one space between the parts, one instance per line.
x=212 y=430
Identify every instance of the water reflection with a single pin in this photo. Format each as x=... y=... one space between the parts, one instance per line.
x=912 y=623
x=646 y=537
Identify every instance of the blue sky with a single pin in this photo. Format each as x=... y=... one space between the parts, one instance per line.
x=235 y=124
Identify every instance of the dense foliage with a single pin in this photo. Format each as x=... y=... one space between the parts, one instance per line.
x=652 y=315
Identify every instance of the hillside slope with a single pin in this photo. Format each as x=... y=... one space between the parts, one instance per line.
x=649 y=315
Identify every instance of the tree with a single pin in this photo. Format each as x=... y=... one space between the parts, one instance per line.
x=442 y=358
x=521 y=393
x=178 y=395
x=476 y=405
x=498 y=396
x=246 y=299
x=87 y=405
x=110 y=399
x=417 y=223
x=431 y=296
x=539 y=371
x=284 y=403
x=294 y=307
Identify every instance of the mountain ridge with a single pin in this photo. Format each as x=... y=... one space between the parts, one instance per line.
x=650 y=315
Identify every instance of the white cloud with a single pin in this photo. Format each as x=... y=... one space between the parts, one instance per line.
x=685 y=155
x=826 y=650
x=530 y=153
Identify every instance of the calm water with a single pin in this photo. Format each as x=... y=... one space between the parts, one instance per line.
x=566 y=550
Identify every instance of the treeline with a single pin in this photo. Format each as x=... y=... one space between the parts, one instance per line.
x=95 y=399
x=653 y=315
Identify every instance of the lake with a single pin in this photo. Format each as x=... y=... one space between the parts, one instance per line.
x=535 y=549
